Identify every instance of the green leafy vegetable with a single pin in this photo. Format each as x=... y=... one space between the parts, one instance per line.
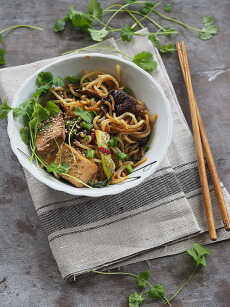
x=145 y=60
x=129 y=168
x=113 y=142
x=108 y=165
x=127 y=33
x=98 y=35
x=62 y=168
x=87 y=116
x=94 y=9
x=142 y=279
x=58 y=82
x=72 y=80
x=52 y=108
x=2 y=56
x=168 y=48
x=198 y=254
x=168 y=8
x=4 y=109
x=81 y=20
x=90 y=153
x=86 y=125
x=135 y=299
x=156 y=292
x=209 y=28
x=121 y=156
x=59 y=25
x=44 y=78
x=25 y=135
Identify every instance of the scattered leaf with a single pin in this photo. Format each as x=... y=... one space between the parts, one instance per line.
x=59 y=25
x=98 y=35
x=168 y=48
x=94 y=9
x=167 y=8
x=209 y=28
x=145 y=60
x=81 y=20
x=135 y=299
x=157 y=292
x=142 y=279
x=198 y=254
x=127 y=33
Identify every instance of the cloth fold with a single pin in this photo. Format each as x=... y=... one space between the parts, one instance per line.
x=158 y=218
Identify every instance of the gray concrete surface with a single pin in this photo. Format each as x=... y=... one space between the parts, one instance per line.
x=31 y=275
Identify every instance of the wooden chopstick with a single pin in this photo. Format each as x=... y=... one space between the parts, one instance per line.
x=182 y=53
x=211 y=162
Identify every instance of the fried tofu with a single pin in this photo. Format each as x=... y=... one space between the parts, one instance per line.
x=80 y=167
x=50 y=137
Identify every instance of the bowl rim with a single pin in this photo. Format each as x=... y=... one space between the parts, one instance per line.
x=93 y=192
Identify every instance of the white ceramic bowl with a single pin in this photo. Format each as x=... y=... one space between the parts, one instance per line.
x=144 y=87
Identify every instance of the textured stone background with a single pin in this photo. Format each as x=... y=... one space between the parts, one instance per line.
x=32 y=279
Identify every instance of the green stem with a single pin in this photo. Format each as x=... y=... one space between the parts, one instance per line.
x=21 y=26
x=181 y=23
x=138 y=22
x=167 y=301
x=115 y=273
x=184 y=283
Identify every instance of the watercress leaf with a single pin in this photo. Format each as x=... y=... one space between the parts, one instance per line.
x=25 y=135
x=145 y=60
x=81 y=20
x=157 y=292
x=94 y=9
x=198 y=254
x=59 y=25
x=62 y=168
x=2 y=56
x=209 y=28
x=154 y=39
x=58 y=82
x=135 y=299
x=168 y=48
x=4 y=109
x=52 y=108
x=167 y=8
x=44 y=78
x=98 y=35
x=87 y=116
x=127 y=33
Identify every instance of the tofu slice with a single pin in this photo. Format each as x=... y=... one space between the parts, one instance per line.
x=80 y=167
x=50 y=138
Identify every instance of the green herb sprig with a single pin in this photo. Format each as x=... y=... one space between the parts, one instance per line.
x=8 y=29
x=147 y=290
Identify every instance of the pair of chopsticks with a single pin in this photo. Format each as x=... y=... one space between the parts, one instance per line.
x=203 y=151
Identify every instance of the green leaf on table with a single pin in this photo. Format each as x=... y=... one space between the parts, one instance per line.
x=80 y=20
x=198 y=254
x=98 y=35
x=167 y=7
x=44 y=78
x=135 y=299
x=168 y=48
x=58 y=82
x=25 y=110
x=209 y=28
x=148 y=6
x=25 y=135
x=142 y=279
x=52 y=108
x=72 y=80
x=4 y=109
x=156 y=292
x=59 y=25
x=2 y=56
x=62 y=168
x=87 y=116
x=127 y=33
x=94 y=9
x=154 y=39
x=145 y=60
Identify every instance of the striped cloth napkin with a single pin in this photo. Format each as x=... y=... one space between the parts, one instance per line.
x=158 y=218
